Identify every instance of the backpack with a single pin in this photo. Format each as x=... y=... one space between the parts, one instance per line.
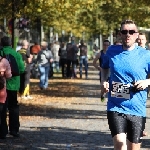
x=13 y=63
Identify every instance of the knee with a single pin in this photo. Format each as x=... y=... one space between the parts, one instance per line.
x=120 y=142
x=120 y=145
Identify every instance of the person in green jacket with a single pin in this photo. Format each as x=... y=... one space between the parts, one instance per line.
x=12 y=86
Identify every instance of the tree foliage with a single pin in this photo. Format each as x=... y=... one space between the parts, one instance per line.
x=78 y=16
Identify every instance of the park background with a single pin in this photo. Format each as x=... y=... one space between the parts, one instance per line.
x=59 y=20
x=69 y=114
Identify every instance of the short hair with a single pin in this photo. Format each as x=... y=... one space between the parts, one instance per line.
x=82 y=42
x=106 y=40
x=36 y=43
x=6 y=41
x=24 y=43
x=44 y=43
x=127 y=22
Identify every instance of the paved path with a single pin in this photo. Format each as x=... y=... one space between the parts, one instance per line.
x=68 y=120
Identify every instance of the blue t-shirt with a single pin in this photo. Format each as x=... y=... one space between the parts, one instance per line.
x=127 y=66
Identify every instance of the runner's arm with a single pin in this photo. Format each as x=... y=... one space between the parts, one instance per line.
x=95 y=61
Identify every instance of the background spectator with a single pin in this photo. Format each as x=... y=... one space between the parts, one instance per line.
x=25 y=77
x=44 y=59
x=12 y=86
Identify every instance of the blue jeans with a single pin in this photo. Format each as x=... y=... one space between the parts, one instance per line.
x=44 y=72
x=83 y=61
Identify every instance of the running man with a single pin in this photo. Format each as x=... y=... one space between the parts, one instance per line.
x=104 y=73
x=126 y=107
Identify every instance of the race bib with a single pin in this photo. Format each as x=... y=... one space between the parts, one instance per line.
x=120 y=90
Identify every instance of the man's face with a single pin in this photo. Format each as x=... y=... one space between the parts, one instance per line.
x=106 y=45
x=141 y=40
x=128 y=35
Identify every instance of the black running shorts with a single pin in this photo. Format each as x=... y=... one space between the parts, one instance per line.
x=132 y=125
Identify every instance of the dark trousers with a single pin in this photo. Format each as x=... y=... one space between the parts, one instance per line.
x=22 y=83
x=1 y=107
x=63 y=62
x=71 y=73
x=13 y=107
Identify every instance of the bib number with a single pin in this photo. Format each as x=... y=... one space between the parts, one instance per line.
x=120 y=90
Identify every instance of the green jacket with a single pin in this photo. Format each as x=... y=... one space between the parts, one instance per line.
x=14 y=82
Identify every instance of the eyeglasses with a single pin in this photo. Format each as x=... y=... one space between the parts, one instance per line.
x=125 y=32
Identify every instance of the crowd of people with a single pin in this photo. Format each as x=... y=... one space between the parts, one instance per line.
x=65 y=57
x=45 y=58
x=57 y=57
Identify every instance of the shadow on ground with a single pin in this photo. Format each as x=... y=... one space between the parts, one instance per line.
x=59 y=113
x=58 y=139
x=39 y=138
x=68 y=89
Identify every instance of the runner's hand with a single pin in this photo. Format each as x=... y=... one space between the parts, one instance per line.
x=106 y=86
x=141 y=84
